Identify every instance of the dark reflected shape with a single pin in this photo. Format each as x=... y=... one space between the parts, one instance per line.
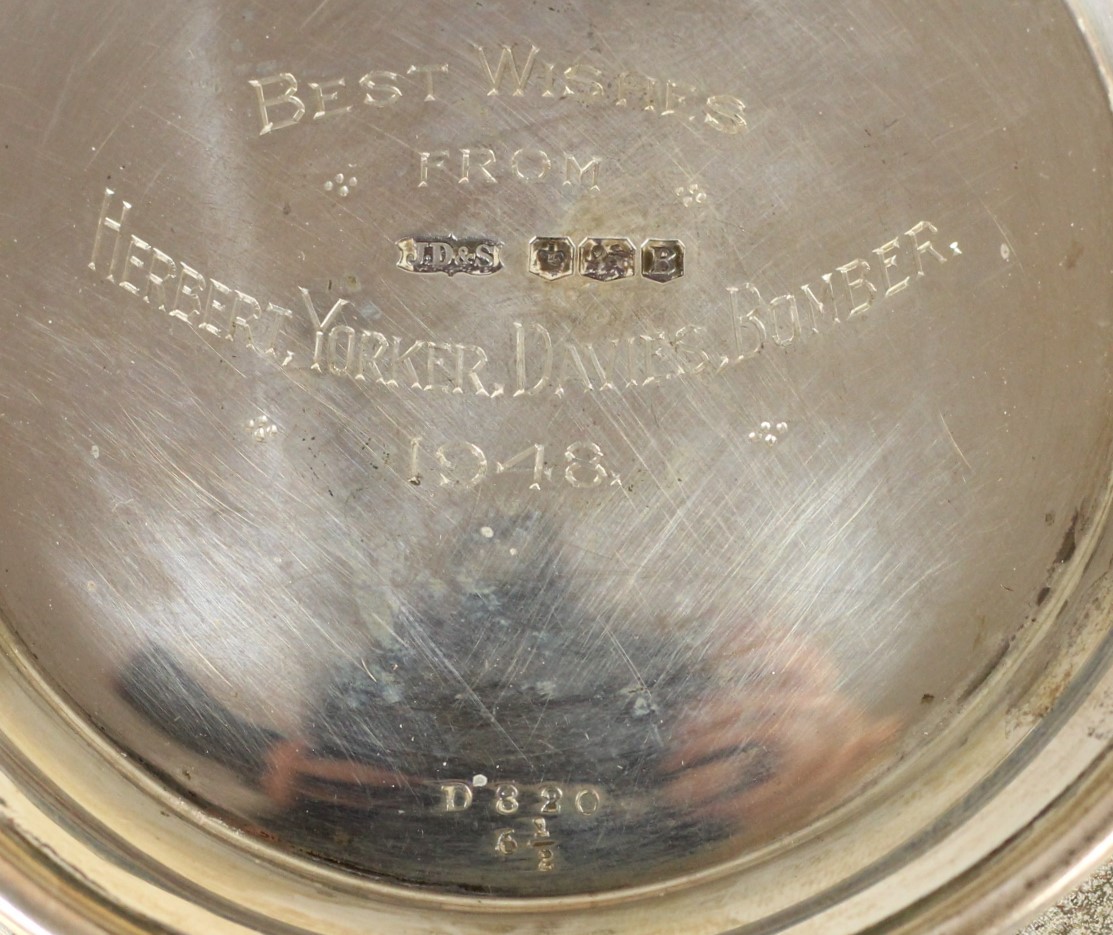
x=164 y=692
x=489 y=747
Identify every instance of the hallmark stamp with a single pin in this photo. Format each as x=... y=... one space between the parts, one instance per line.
x=450 y=256
x=606 y=259
x=552 y=257
x=662 y=260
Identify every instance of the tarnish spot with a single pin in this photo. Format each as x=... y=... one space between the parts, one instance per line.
x=1067 y=549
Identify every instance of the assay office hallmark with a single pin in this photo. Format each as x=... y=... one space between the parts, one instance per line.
x=450 y=256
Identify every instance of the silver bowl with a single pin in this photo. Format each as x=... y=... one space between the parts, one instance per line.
x=554 y=468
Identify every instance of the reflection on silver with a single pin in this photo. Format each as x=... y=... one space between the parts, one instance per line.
x=456 y=763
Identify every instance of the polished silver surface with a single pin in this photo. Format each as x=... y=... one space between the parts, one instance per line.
x=577 y=467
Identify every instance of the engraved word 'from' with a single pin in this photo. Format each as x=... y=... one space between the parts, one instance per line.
x=481 y=165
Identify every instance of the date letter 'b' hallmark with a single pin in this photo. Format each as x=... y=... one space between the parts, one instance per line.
x=662 y=260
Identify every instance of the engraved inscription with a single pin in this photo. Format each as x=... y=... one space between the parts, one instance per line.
x=450 y=256
x=329 y=339
x=282 y=100
x=542 y=365
x=176 y=289
x=482 y=166
x=391 y=361
x=278 y=103
x=837 y=297
x=521 y=74
x=535 y=363
x=582 y=465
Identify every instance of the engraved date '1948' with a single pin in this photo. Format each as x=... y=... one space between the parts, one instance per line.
x=582 y=465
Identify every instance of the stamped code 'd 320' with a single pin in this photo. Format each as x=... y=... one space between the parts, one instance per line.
x=510 y=798
x=537 y=809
